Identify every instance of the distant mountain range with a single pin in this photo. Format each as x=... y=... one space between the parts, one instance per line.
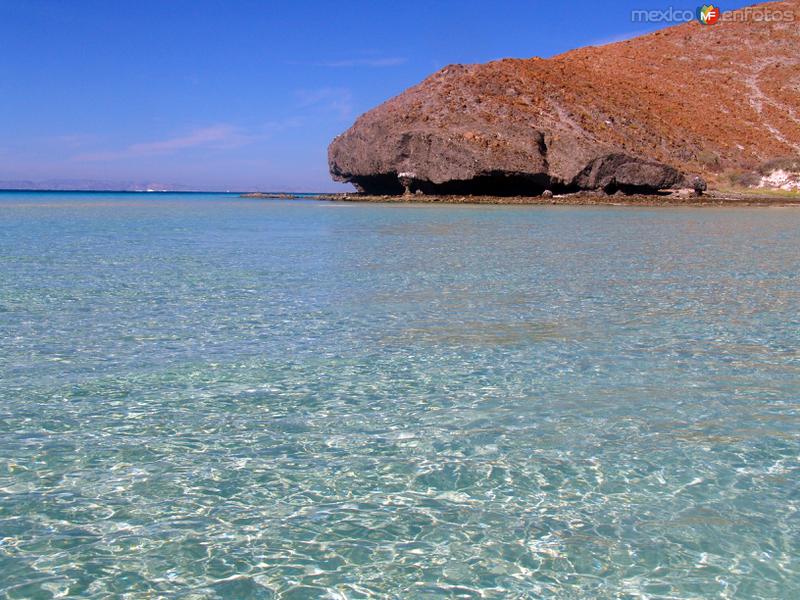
x=92 y=185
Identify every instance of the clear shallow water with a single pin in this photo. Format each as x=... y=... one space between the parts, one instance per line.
x=202 y=396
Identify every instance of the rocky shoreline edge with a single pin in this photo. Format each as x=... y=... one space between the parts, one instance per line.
x=681 y=198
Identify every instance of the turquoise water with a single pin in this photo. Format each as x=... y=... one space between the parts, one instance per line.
x=203 y=396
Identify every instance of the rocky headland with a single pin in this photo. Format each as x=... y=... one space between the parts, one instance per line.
x=667 y=110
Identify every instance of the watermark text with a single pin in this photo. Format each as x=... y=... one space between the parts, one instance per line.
x=711 y=15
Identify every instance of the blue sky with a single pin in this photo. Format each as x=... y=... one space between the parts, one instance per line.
x=244 y=94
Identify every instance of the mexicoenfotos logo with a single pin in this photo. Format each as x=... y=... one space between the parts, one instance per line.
x=708 y=14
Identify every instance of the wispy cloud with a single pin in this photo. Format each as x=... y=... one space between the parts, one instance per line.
x=72 y=140
x=327 y=99
x=359 y=62
x=216 y=137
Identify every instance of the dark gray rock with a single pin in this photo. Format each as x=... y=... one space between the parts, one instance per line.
x=628 y=174
x=699 y=186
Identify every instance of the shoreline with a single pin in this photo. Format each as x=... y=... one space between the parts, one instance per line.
x=709 y=199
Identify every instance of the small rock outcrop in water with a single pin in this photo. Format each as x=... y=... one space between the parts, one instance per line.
x=635 y=116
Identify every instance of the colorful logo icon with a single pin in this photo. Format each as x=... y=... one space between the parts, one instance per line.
x=708 y=14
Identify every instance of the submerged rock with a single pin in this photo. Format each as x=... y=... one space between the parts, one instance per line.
x=632 y=116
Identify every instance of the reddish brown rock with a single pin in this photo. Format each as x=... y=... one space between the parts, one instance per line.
x=636 y=116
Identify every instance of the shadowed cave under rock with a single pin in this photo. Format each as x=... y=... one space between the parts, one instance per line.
x=491 y=184
x=498 y=183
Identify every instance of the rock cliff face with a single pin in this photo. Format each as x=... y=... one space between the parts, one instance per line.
x=635 y=116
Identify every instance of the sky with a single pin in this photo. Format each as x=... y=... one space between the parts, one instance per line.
x=245 y=94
